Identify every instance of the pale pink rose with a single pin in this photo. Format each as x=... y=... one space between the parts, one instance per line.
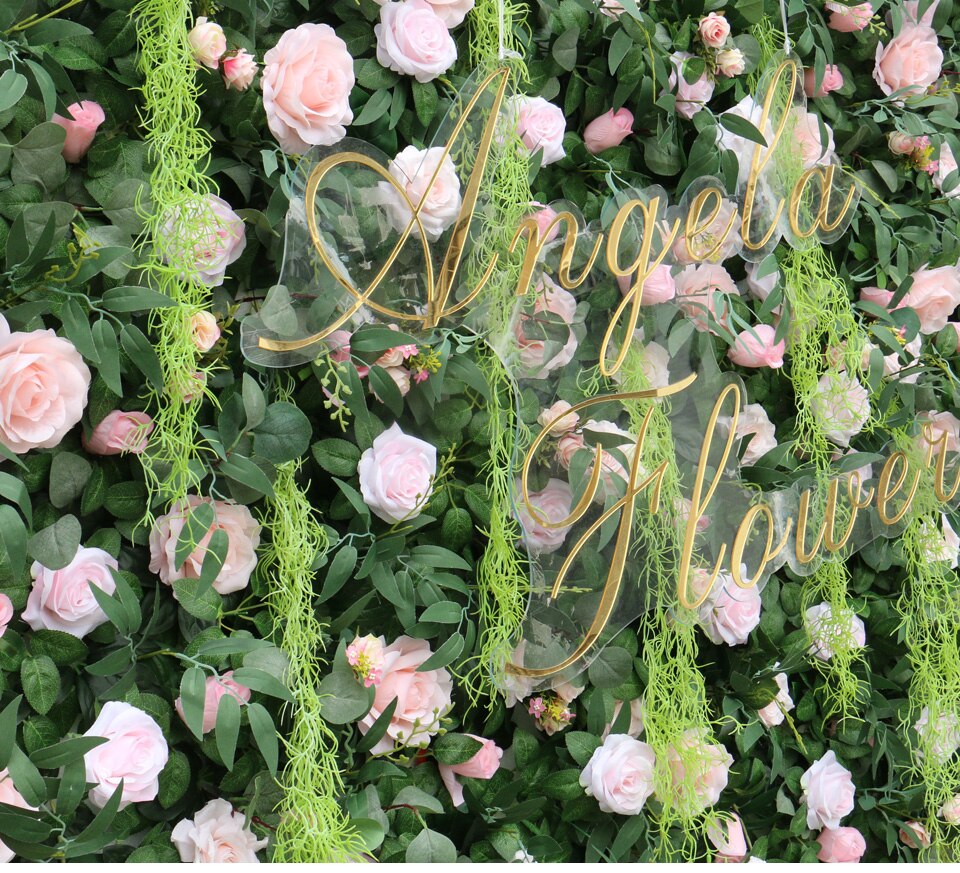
x=338 y=343
x=482 y=765
x=900 y=143
x=946 y=166
x=655 y=365
x=62 y=600
x=940 y=736
x=619 y=774
x=611 y=8
x=135 y=752
x=544 y=218
x=941 y=423
x=207 y=42
x=730 y=612
x=216 y=835
x=607 y=131
x=842 y=404
x=204 y=330
x=516 y=687
x=220 y=243
x=912 y=7
x=710 y=765
x=753 y=422
x=832 y=80
x=893 y=364
x=731 y=62
x=703 y=290
x=636 y=718
x=567 y=446
x=440 y=202
x=934 y=295
x=239 y=70
x=760 y=289
x=549 y=299
x=81 y=127
x=714 y=30
x=848 y=19
x=831 y=632
x=9 y=794
x=540 y=125
x=307 y=80
x=773 y=713
x=728 y=839
x=451 y=12
x=758 y=348
x=841 y=846
x=914 y=835
x=683 y=511
x=806 y=132
x=558 y=418
x=120 y=432
x=43 y=388
x=396 y=475
x=911 y=60
x=877 y=296
x=703 y=244
x=423 y=696
x=611 y=465
x=750 y=110
x=243 y=537
x=658 y=287
x=215 y=689
x=552 y=504
x=6 y=614
x=691 y=98
x=414 y=41
x=827 y=791
x=401 y=378
x=950 y=811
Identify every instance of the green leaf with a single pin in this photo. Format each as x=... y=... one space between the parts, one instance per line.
x=343 y=564
x=198 y=521
x=73 y=785
x=438 y=558
x=739 y=125
x=76 y=325
x=12 y=87
x=133 y=298
x=455 y=748
x=13 y=534
x=141 y=352
x=41 y=682
x=344 y=699
x=445 y=655
x=417 y=797
x=68 y=477
x=259 y=680
x=425 y=101
x=227 y=728
x=581 y=745
x=64 y=649
x=246 y=472
x=265 y=735
x=233 y=646
x=105 y=337
x=26 y=778
x=283 y=435
x=214 y=557
x=193 y=688
x=457 y=528
x=611 y=667
x=444 y=612
x=8 y=730
x=338 y=457
x=375 y=107
x=376 y=338
x=254 y=402
x=95 y=836
x=65 y=752
x=378 y=728
x=200 y=600
x=126 y=500
x=429 y=847
x=56 y=546
x=174 y=779
x=37 y=157
x=565 y=48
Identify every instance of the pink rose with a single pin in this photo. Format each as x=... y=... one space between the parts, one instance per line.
x=400 y=377
x=204 y=330
x=544 y=218
x=806 y=133
x=877 y=296
x=216 y=835
x=414 y=41
x=215 y=689
x=423 y=696
x=842 y=404
x=536 y=336
x=946 y=167
x=912 y=7
x=658 y=287
x=941 y=423
x=731 y=62
x=221 y=242
x=900 y=143
x=619 y=775
x=440 y=204
x=540 y=125
x=714 y=30
x=728 y=839
x=451 y=12
x=703 y=290
x=832 y=80
x=635 y=728
x=691 y=98
x=950 y=811
x=207 y=42
x=757 y=348
x=567 y=446
x=120 y=432
x=396 y=475
x=81 y=127
x=910 y=61
x=607 y=131
x=9 y=794
x=552 y=505
x=710 y=765
x=827 y=791
x=914 y=835
x=135 y=752
x=773 y=713
x=43 y=388
x=730 y=612
x=482 y=765
x=831 y=632
x=6 y=614
x=239 y=69
x=243 y=537
x=702 y=245
x=940 y=736
x=934 y=295
x=753 y=422
x=847 y=19
x=307 y=80
x=62 y=600
x=841 y=846
x=558 y=418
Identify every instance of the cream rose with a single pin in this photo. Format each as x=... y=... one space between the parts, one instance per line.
x=558 y=418
x=702 y=292
x=946 y=167
x=731 y=62
x=728 y=839
x=221 y=241
x=423 y=696
x=451 y=12
x=658 y=287
x=412 y=39
x=239 y=70
x=439 y=203
x=204 y=330
x=536 y=341
x=814 y=150
x=754 y=423
x=396 y=475
x=607 y=131
x=216 y=835
x=619 y=774
x=827 y=791
x=635 y=728
x=758 y=348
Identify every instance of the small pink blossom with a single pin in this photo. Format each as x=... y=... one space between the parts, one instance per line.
x=365 y=655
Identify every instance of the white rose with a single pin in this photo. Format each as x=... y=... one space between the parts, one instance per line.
x=773 y=713
x=413 y=169
x=216 y=835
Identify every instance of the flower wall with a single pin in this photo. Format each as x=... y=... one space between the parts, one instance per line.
x=253 y=612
